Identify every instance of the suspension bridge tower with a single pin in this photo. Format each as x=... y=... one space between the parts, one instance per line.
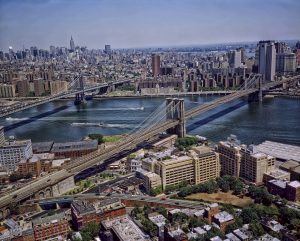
x=175 y=111
x=79 y=97
x=258 y=95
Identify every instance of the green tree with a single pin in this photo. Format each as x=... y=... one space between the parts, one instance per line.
x=98 y=137
x=163 y=211
x=248 y=215
x=256 y=229
x=90 y=231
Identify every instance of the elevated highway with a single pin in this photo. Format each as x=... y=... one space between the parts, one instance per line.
x=100 y=156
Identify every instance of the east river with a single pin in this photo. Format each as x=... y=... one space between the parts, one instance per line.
x=276 y=119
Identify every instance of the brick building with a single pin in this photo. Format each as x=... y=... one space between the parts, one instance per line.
x=50 y=227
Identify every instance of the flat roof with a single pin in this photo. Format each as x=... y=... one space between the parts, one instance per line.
x=295 y=184
x=278 y=183
x=223 y=216
x=42 y=146
x=280 y=150
x=126 y=229
x=74 y=146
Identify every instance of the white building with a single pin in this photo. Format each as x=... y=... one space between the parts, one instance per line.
x=12 y=152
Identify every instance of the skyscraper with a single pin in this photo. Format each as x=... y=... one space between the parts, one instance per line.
x=155 y=65
x=107 y=49
x=285 y=63
x=267 y=60
x=235 y=58
x=72 y=44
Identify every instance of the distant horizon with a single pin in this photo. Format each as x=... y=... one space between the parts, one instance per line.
x=155 y=47
x=127 y=24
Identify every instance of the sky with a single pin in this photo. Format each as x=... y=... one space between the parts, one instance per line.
x=145 y=23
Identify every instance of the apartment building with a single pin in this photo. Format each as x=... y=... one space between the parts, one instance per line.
x=176 y=170
x=230 y=156
x=244 y=162
x=13 y=151
x=207 y=164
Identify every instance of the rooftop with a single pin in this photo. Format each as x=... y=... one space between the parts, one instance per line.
x=200 y=231
x=216 y=238
x=280 y=150
x=46 y=220
x=278 y=183
x=289 y=164
x=39 y=147
x=223 y=217
x=125 y=229
x=240 y=234
x=158 y=219
x=83 y=206
x=232 y=237
x=295 y=184
x=74 y=146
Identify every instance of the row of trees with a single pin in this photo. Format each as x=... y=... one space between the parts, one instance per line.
x=260 y=195
x=225 y=184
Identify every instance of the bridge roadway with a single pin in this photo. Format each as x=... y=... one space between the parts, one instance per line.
x=133 y=198
x=100 y=156
x=15 y=108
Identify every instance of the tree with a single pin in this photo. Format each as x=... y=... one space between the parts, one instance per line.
x=90 y=231
x=196 y=222
x=163 y=211
x=136 y=211
x=248 y=215
x=98 y=137
x=237 y=224
x=155 y=191
x=256 y=229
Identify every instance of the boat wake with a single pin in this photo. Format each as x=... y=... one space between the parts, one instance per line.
x=16 y=119
x=103 y=125
x=114 y=109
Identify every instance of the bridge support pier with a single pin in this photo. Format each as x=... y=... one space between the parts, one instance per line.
x=175 y=111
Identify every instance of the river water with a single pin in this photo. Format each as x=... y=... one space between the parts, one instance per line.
x=276 y=119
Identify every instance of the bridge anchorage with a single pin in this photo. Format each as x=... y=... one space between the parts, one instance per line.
x=175 y=111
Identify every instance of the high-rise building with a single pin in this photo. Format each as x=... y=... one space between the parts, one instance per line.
x=39 y=87
x=235 y=58
x=72 y=44
x=267 y=60
x=230 y=156
x=254 y=164
x=207 y=164
x=174 y=171
x=7 y=90
x=282 y=47
x=285 y=63
x=2 y=137
x=12 y=152
x=107 y=49
x=155 y=65
x=23 y=88
x=244 y=162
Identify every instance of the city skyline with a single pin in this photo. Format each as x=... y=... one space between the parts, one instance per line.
x=123 y=23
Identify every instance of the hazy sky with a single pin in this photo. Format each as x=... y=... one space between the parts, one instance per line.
x=142 y=23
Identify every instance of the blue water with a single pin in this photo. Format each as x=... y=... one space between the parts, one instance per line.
x=275 y=119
